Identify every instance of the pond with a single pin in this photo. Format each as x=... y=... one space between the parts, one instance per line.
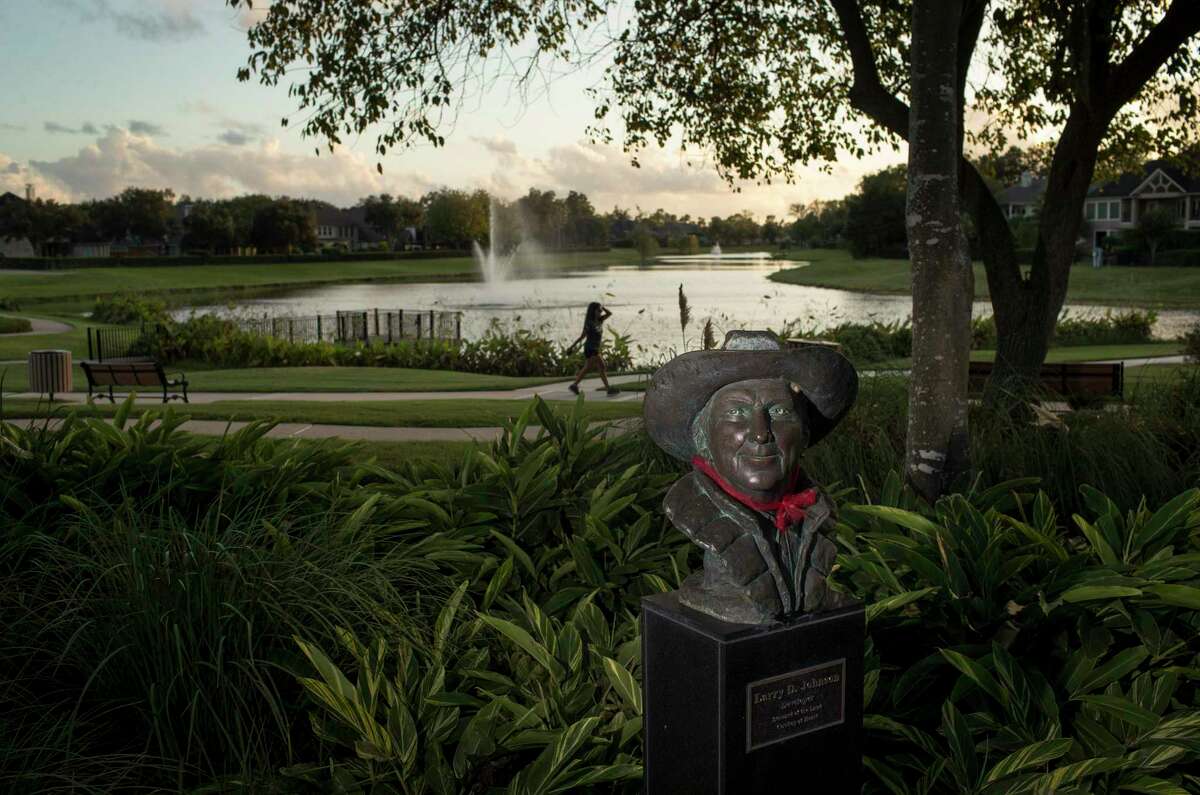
x=644 y=302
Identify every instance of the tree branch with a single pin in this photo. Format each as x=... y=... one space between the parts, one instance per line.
x=868 y=94
x=1180 y=23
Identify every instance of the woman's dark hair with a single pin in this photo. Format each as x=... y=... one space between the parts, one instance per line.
x=593 y=311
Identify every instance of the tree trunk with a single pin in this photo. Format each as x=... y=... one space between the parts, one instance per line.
x=1027 y=308
x=942 y=281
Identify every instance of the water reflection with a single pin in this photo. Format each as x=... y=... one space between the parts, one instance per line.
x=644 y=302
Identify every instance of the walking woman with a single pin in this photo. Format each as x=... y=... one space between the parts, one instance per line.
x=591 y=336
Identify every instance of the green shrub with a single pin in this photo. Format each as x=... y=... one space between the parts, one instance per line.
x=1010 y=651
x=474 y=627
x=1128 y=327
x=219 y=342
x=125 y=309
x=1191 y=344
x=14 y=325
x=1120 y=328
x=1179 y=258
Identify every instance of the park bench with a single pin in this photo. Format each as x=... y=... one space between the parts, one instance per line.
x=1076 y=381
x=133 y=372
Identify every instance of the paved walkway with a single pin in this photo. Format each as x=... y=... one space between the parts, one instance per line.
x=40 y=326
x=591 y=389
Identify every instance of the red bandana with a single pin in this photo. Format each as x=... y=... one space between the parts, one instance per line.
x=789 y=509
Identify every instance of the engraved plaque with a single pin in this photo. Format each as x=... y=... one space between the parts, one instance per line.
x=795 y=703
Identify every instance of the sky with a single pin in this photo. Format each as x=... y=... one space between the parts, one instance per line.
x=105 y=94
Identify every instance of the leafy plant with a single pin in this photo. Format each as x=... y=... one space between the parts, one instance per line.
x=1010 y=653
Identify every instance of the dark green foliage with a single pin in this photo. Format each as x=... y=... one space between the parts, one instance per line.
x=1191 y=343
x=875 y=215
x=163 y=590
x=14 y=325
x=862 y=343
x=1147 y=449
x=459 y=628
x=1013 y=651
x=125 y=309
x=1126 y=327
x=1179 y=258
x=220 y=343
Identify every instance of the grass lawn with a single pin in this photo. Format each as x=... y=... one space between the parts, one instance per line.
x=1151 y=287
x=75 y=340
x=374 y=413
x=315 y=379
x=35 y=286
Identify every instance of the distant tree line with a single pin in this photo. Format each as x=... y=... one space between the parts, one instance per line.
x=443 y=218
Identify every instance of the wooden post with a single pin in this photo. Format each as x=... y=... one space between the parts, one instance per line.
x=400 y=322
x=376 y=321
x=291 y=332
x=367 y=327
x=432 y=332
x=458 y=326
x=318 y=328
x=89 y=342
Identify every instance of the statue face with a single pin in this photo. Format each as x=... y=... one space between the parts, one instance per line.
x=756 y=436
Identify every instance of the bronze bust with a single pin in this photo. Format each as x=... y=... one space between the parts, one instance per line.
x=743 y=416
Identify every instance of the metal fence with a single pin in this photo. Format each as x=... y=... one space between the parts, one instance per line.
x=360 y=325
x=112 y=343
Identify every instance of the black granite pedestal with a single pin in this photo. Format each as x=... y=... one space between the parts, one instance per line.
x=734 y=709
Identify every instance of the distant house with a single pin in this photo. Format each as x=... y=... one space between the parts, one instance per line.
x=99 y=248
x=1021 y=200
x=1115 y=206
x=345 y=228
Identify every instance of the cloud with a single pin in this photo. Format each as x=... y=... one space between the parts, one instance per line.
x=6 y=127
x=665 y=179
x=138 y=127
x=87 y=128
x=496 y=145
x=120 y=159
x=236 y=133
x=234 y=138
x=161 y=21
x=13 y=178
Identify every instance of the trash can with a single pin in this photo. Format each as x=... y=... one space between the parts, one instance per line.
x=50 y=372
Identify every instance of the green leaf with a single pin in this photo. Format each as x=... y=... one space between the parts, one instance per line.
x=1169 y=517
x=976 y=673
x=1113 y=670
x=964 y=762
x=1177 y=595
x=1152 y=786
x=1088 y=593
x=897 y=516
x=541 y=777
x=890 y=603
x=1099 y=545
x=1032 y=755
x=624 y=683
x=526 y=643
x=1123 y=710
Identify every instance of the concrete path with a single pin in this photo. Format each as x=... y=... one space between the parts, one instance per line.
x=1178 y=359
x=556 y=391
x=40 y=326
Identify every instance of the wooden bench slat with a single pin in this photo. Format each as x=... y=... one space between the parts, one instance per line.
x=132 y=373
